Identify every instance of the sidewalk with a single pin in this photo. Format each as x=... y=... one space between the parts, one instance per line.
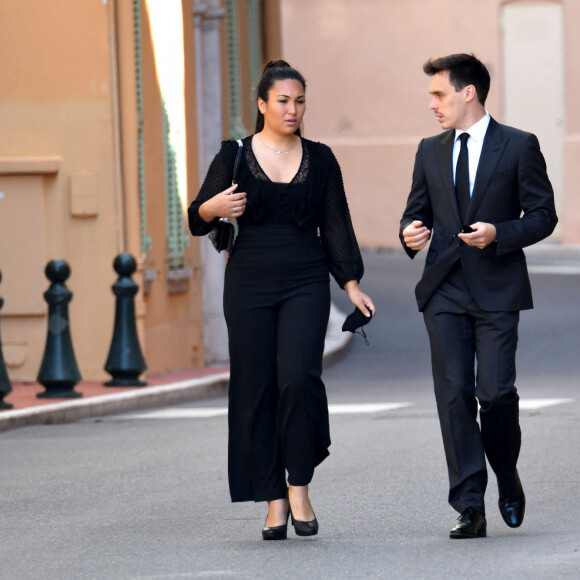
x=190 y=384
x=165 y=389
x=553 y=251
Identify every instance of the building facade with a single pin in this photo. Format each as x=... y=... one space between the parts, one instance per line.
x=110 y=112
x=368 y=97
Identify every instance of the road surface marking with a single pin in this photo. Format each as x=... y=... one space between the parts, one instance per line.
x=533 y=404
x=208 y=412
x=357 y=409
x=337 y=409
x=554 y=269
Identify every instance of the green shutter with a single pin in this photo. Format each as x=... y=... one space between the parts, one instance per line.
x=255 y=42
x=177 y=238
x=237 y=129
x=146 y=242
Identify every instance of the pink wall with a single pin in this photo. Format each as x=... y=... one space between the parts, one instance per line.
x=368 y=96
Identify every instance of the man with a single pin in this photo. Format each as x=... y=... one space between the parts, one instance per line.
x=483 y=197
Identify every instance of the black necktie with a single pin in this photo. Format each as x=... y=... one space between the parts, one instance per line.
x=462 y=177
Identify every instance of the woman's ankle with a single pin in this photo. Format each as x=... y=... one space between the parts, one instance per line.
x=300 y=503
x=277 y=513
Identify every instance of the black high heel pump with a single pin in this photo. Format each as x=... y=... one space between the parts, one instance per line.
x=305 y=528
x=276 y=532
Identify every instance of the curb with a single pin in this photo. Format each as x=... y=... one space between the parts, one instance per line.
x=145 y=398
x=157 y=396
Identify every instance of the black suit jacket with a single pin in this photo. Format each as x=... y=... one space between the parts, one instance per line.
x=511 y=191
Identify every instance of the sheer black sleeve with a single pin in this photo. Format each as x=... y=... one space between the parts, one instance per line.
x=336 y=231
x=218 y=178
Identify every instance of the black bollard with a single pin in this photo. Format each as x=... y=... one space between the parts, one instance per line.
x=5 y=386
x=58 y=372
x=125 y=361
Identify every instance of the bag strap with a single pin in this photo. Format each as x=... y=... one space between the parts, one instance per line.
x=237 y=162
x=234 y=181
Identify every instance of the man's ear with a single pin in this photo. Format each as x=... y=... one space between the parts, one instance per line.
x=470 y=93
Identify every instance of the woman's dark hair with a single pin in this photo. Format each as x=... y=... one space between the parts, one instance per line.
x=275 y=70
x=464 y=69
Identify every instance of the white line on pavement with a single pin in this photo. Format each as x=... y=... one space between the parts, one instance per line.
x=356 y=409
x=533 y=404
x=554 y=269
x=338 y=409
x=196 y=413
x=208 y=412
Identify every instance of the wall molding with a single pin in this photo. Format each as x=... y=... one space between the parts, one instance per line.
x=30 y=165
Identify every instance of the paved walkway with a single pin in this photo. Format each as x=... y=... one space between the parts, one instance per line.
x=197 y=383
x=24 y=393
x=164 y=389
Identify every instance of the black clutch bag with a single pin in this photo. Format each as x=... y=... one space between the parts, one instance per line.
x=223 y=234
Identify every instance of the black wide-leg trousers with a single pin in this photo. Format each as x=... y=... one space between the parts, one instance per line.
x=473 y=359
x=277 y=314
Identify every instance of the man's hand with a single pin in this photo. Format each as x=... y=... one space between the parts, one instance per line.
x=416 y=235
x=482 y=236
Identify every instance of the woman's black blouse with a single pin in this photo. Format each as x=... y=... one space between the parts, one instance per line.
x=315 y=198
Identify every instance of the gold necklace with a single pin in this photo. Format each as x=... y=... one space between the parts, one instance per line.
x=278 y=151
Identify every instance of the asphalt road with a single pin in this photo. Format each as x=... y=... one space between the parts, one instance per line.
x=144 y=495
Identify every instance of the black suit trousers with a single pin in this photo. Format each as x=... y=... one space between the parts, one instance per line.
x=473 y=359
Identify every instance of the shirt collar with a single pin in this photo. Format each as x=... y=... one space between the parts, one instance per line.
x=477 y=131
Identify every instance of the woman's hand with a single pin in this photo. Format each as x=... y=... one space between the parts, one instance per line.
x=225 y=204
x=359 y=298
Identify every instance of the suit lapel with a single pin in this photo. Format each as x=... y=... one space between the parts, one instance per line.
x=444 y=154
x=493 y=148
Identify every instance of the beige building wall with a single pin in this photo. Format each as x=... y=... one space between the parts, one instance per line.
x=570 y=215
x=70 y=184
x=174 y=321
x=368 y=97
x=58 y=175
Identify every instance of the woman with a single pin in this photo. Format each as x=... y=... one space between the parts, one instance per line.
x=277 y=298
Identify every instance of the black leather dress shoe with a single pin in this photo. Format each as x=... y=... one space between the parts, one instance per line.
x=512 y=501
x=471 y=524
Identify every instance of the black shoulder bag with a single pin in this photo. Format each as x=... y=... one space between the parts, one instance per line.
x=223 y=235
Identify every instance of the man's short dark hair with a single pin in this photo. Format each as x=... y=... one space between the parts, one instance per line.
x=464 y=69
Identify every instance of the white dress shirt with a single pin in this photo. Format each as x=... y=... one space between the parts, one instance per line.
x=474 y=146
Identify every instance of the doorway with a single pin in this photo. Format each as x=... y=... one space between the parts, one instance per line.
x=534 y=81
